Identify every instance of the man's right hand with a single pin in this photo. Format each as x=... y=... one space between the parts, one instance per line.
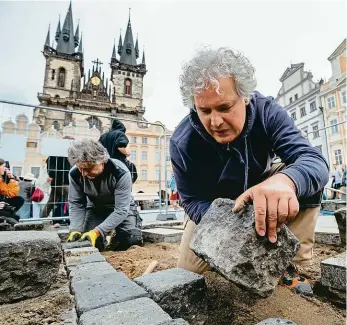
x=74 y=236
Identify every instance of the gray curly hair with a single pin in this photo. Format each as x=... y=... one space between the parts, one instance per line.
x=87 y=151
x=210 y=64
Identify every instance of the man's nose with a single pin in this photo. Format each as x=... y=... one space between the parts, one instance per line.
x=216 y=120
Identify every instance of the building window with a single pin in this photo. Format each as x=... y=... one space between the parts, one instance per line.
x=313 y=106
x=293 y=115
x=35 y=171
x=144 y=174
x=128 y=74
x=296 y=96
x=319 y=148
x=133 y=155
x=315 y=131
x=334 y=126
x=94 y=122
x=17 y=171
x=55 y=125
x=119 y=72
x=61 y=77
x=331 y=102
x=144 y=140
x=31 y=144
x=304 y=132
x=338 y=157
x=127 y=87
x=157 y=141
x=157 y=174
x=290 y=100
x=343 y=97
x=133 y=139
x=53 y=74
x=302 y=111
x=144 y=155
x=168 y=158
x=157 y=156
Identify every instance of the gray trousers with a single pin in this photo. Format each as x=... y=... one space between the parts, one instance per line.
x=128 y=233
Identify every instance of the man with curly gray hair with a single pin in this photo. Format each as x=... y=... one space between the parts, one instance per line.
x=100 y=199
x=226 y=147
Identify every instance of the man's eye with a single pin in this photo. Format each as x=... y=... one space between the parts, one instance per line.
x=225 y=109
x=205 y=112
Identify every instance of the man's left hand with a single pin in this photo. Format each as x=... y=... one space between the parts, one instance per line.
x=275 y=203
x=91 y=235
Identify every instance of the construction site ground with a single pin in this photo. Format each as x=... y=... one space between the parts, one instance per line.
x=226 y=304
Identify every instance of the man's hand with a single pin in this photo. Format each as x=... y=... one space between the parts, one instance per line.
x=275 y=203
x=92 y=236
x=74 y=236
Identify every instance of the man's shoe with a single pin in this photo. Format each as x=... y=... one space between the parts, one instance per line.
x=293 y=280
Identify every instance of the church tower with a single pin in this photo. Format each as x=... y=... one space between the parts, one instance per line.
x=63 y=72
x=127 y=75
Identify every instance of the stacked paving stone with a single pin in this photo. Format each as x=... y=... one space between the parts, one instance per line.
x=105 y=296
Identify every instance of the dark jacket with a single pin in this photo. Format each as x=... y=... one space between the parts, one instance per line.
x=206 y=170
x=58 y=168
x=115 y=138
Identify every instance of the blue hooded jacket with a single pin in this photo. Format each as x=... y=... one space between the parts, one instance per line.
x=206 y=170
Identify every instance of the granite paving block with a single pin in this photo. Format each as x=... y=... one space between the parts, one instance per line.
x=76 y=260
x=34 y=225
x=276 y=321
x=326 y=231
x=103 y=290
x=162 y=235
x=340 y=216
x=177 y=321
x=81 y=251
x=333 y=272
x=76 y=244
x=141 y=311
x=179 y=292
x=63 y=234
x=85 y=270
x=155 y=224
x=332 y=205
x=29 y=263
x=231 y=246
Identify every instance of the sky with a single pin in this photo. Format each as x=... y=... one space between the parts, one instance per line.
x=272 y=34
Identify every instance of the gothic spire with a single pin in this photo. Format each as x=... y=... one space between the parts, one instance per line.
x=58 y=32
x=48 y=38
x=66 y=42
x=120 y=45
x=137 y=53
x=77 y=35
x=114 y=50
x=128 y=55
x=143 y=58
x=80 y=47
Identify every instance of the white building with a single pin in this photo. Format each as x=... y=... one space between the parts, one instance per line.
x=299 y=95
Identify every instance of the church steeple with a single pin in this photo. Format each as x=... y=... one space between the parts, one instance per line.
x=114 y=50
x=77 y=35
x=66 y=42
x=143 y=58
x=48 y=37
x=128 y=55
x=58 y=32
x=137 y=53
x=120 y=43
x=80 y=47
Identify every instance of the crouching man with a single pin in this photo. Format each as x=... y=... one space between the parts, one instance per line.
x=100 y=199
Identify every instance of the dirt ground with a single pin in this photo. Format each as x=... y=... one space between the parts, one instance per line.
x=229 y=305
x=50 y=308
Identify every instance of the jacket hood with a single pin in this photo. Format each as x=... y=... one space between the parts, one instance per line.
x=118 y=125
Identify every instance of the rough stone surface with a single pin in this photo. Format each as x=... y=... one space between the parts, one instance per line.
x=340 y=216
x=276 y=321
x=141 y=311
x=327 y=238
x=35 y=225
x=177 y=321
x=162 y=235
x=63 y=234
x=76 y=260
x=82 y=251
x=333 y=205
x=76 y=244
x=229 y=243
x=103 y=290
x=333 y=272
x=86 y=270
x=29 y=263
x=156 y=224
x=179 y=292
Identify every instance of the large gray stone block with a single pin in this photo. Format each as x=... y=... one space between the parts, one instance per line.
x=177 y=321
x=230 y=244
x=85 y=271
x=29 y=263
x=76 y=244
x=103 y=290
x=77 y=260
x=179 y=292
x=155 y=224
x=333 y=272
x=340 y=216
x=276 y=321
x=81 y=251
x=162 y=235
x=35 y=225
x=141 y=311
x=63 y=234
x=332 y=205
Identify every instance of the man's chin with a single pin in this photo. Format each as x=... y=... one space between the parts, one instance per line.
x=224 y=140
